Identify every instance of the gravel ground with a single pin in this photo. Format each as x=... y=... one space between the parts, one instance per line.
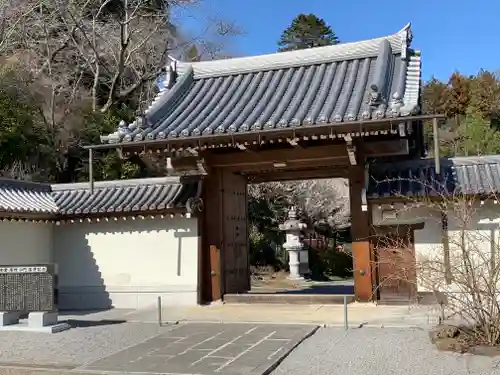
x=74 y=347
x=379 y=351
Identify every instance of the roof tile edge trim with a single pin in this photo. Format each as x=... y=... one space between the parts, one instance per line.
x=27 y=199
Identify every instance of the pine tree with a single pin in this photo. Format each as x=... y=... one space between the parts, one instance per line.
x=307 y=31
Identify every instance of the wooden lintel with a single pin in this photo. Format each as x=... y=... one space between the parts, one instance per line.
x=273 y=156
x=298 y=175
x=292 y=165
x=333 y=152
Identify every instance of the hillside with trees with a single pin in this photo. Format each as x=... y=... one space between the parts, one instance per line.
x=71 y=70
x=472 y=107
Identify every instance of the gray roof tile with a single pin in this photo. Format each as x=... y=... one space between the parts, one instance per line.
x=358 y=81
x=124 y=196
x=25 y=197
x=476 y=175
x=121 y=196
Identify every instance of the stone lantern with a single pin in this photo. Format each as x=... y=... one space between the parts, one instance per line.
x=298 y=258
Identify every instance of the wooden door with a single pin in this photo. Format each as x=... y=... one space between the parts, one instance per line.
x=215 y=274
x=235 y=234
x=396 y=266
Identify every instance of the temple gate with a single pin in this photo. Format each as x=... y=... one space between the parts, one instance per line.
x=325 y=112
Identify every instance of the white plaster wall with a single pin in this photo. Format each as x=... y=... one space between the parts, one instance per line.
x=479 y=225
x=474 y=235
x=127 y=263
x=25 y=243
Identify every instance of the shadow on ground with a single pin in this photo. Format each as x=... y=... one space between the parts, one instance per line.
x=77 y=323
x=311 y=289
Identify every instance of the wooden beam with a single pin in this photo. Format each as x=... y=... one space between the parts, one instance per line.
x=293 y=165
x=435 y=130
x=334 y=153
x=386 y=148
x=297 y=175
x=274 y=156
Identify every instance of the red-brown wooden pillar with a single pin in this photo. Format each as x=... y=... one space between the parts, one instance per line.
x=211 y=280
x=360 y=231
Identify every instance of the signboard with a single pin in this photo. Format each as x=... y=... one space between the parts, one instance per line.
x=28 y=288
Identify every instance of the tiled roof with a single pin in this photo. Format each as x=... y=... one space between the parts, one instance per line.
x=25 y=197
x=126 y=196
x=365 y=80
x=120 y=196
x=477 y=175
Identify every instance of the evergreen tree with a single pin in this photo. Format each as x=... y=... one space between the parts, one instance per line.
x=476 y=135
x=307 y=31
x=434 y=97
x=485 y=94
x=458 y=97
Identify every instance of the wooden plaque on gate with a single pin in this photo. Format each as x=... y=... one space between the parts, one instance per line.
x=28 y=288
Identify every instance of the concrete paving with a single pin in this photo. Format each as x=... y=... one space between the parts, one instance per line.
x=206 y=349
x=365 y=314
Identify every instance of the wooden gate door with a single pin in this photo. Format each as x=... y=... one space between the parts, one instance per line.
x=235 y=247
x=396 y=268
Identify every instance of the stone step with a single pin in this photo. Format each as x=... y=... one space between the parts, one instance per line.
x=292 y=298
x=395 y=300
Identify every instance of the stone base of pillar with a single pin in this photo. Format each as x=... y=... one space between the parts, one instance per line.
x=298 y=278
x=42 y=319
x=8 y=318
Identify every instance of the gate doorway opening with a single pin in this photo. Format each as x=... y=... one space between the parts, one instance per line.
x=325 y=261
x=226 y=217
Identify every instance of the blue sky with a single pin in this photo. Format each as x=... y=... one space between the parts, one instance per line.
x=452 y=35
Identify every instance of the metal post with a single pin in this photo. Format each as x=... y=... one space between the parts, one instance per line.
x=435 y=130
x=91 y=171
x=159 y=311
x=346 y=323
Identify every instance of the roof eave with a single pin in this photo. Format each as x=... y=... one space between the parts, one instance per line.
x=316 y=129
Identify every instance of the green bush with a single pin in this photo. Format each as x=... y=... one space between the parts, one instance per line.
x=330 y=262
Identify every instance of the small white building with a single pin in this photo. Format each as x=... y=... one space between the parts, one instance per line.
x=432 y=216
x=121 y=245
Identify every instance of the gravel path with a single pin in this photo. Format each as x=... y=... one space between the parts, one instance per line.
x=76 y=346
x=379 y=351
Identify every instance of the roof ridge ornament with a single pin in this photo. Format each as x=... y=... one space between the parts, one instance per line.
x=376 y=95
x=128 y=131
x=406 y=38
x=171 y=73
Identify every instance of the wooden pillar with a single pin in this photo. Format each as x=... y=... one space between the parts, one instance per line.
x=225 y=230
x=211 y=238
x=360 y=231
